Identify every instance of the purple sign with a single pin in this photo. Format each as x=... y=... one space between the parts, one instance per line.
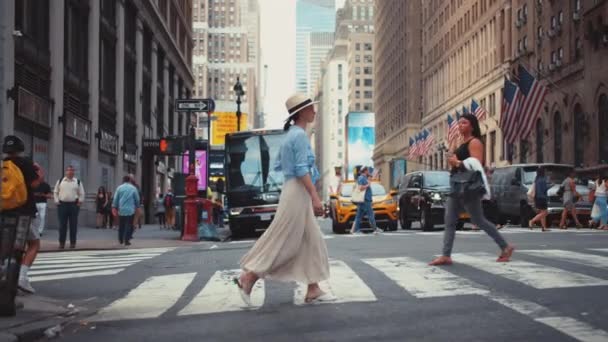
x=200 y=169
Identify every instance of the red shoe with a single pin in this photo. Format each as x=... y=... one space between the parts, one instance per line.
x=505 y=256
x=440 y=261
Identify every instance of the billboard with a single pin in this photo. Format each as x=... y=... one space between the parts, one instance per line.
x=225 y=122
x=200 y=169
x=360 y=140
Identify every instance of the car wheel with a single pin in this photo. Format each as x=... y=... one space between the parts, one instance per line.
x=405 y=224
x=426 y=221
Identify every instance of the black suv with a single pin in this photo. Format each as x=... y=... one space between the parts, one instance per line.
x=422 y=197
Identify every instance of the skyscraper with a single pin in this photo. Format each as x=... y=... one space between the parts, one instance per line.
x=319 y=45
x=311 y=16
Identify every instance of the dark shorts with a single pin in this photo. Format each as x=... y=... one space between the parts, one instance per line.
x=540 y=203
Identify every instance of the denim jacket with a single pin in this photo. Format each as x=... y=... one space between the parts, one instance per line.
x=296 y=158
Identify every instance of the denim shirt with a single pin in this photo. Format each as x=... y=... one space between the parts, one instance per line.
x=126 y=199
x=362 y=180
x=295 y=156
x=540 y=192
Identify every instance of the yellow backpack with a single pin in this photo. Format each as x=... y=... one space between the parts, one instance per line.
x=14 y=190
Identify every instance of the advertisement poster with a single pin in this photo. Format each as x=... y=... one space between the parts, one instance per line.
x=225 y=122
x=360 y=140
x=200 y=169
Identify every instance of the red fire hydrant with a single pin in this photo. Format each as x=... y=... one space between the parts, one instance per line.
x=191 y=211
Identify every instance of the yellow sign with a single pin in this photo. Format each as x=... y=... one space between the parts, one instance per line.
x=225 y=122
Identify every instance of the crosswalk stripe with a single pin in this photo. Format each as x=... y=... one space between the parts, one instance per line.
x=101 y=256
x=75 y=275
x=532 y=274
x=220 y=294
x=343 y=283
x=107 y=252
x=423 y=281
x=60 y=266
x=69 y=262
x=35 y=272
x=599 y=249
x=574 y=257
x=149 y=300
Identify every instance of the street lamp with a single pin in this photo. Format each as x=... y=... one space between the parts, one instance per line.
x=238 y=89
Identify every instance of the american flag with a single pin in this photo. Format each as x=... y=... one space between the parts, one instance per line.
x=465 y=110
x=533 y=96
x=411 y=153
x=453 y=132
x=457 y=115
x=510 y=111
x=429 y=140
x=478 y=110
x=418 y=145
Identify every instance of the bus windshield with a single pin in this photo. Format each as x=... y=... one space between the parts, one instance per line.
x=251 y=163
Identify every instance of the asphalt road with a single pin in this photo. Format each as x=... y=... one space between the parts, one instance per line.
x=553 y=290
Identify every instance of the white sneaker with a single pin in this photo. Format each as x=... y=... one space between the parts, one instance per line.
x=378 y=231
x=25 y=286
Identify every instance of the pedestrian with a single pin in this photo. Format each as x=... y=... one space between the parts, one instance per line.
x=69 y=195
x=569 y=199
x=23 y=203
x=124 y=205
x=42 y=193
x=218 y=210
x=101 y=202
x=469 y=156
x=170 y=209
x=541 y=200
x=160 y=211
x=365 y=208
x=292 y=248
x=109 y=218
x=601 y=189
x=139 y=212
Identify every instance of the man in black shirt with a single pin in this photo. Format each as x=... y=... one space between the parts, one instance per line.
x=12 y=148
x=41 y=194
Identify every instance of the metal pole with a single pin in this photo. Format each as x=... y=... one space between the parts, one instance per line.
x=238 y=112
x=191 y=149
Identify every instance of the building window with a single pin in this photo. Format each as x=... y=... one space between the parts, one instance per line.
x=523 y=151
x=367 y=70
x=367 y=94
x=367 y=82
x=368 y=59
x=540 y=141
x=357 y=82
x=577 y=5
x=357 y=94
x=492 y=147
x=557 y=137
x=340 y=110
x=525 y=41
x=358 y=46
x=553 y=22
x=492 y=106
x=357 y=58
x=340 y=77
x=553 y=57
x=579 y=135
x=578 y=48
x=368 y=107
x=76 y=35
x=357 y=70
x=561 y=17
x=358 y=107
x=602 y=124
x=367 y=46
x=560 y=53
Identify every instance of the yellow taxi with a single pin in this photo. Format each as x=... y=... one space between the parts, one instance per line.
x=343 y=210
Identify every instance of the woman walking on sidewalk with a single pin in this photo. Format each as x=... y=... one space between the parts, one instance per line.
x=101 y=203
x=540 y=200
x=292 y=248
x=469 y=156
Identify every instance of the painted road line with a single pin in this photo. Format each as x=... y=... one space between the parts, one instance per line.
x=569 y=256
x=343 y=284
x=423 y=281
x=102 y=256
x=75 y=269
x=220 y=294
x=78 y=264
x=599 y=249
x=532 y=274
x=149 y=300
x=110 y=252
x=99 y=261
x=75 y=275
x=572 y=327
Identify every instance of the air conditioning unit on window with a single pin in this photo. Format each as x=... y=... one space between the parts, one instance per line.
x=576 y=16
x=551 y=67
x=558 y=63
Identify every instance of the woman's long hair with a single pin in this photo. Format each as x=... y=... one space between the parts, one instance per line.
x=290 y=121
x=102 y=190
x=472 y=119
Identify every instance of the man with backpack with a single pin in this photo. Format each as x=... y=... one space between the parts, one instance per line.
x=19 y=177
x=69 y=195
x=170 y=209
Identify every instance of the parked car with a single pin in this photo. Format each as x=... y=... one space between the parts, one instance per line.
x=422 y=197
x=510 y=184
x=384 y=205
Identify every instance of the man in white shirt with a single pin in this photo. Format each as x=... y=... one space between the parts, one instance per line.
x=69 y=194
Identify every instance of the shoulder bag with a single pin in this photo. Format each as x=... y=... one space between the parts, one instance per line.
x=358 y=195
x=467 y=184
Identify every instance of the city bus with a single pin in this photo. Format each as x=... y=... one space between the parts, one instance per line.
x=252 y=185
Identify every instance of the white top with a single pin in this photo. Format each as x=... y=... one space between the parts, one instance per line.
x=68 y=190
x=600 y=190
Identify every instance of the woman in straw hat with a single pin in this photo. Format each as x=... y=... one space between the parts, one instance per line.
x=292 y=248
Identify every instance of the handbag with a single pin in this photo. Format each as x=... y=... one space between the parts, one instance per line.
x=467 y=184
x=358 y=195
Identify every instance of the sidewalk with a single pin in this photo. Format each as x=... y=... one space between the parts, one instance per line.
x=149 y=236
x=38 y=316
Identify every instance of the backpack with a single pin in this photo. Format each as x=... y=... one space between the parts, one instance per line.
x=61 y=180
x=14 y=189
x=168 y=201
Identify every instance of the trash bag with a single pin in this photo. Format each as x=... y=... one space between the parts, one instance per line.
x=208 y=232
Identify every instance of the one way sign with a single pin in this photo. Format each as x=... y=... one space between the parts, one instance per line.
x=194 y=105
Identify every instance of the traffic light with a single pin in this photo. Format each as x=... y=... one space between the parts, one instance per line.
x=173 y=145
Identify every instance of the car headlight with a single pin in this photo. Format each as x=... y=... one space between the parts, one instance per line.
x=436 y=197
x=236 y=211
x=389 y=202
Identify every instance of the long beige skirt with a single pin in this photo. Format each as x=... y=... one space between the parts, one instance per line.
x=292 y=248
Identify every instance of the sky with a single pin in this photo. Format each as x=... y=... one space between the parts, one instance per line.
x=278 y=43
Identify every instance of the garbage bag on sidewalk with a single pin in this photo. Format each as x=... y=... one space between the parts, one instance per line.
x=208 y=232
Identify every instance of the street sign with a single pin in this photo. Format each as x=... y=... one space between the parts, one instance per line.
x=194 y=105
